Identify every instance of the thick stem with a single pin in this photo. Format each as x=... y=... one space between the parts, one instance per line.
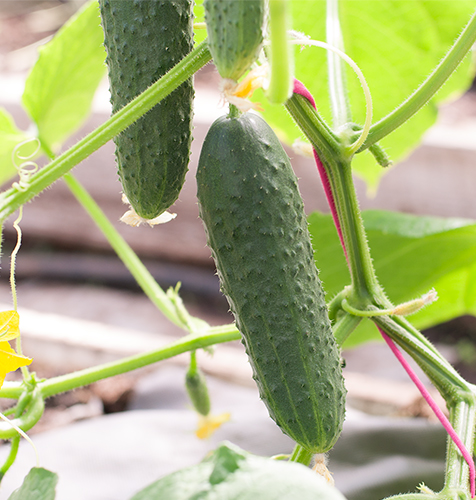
x=143 y=277
x=301 y=455
x=280 y=84
x=81 y=378
x=13 y=198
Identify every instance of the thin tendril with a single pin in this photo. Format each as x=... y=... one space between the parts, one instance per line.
x=13 y=259
x=368 y=98
x=24 y=435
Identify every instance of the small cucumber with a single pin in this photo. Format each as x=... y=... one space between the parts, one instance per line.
x=257 y=231
x=235 y=34
x=197 y=389
x=144 y=39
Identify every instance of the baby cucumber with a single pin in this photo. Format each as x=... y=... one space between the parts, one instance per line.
x=257 y=231
x=144 y=40
x=235 y=34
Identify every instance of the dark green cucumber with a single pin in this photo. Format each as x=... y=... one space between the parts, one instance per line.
x=257 y=231
x=235 y=34
x=145 y=39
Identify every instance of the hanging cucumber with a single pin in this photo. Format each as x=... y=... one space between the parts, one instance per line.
x=257 y=231
x=144 y=40
x=235 y=34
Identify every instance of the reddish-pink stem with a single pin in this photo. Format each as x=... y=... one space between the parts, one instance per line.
x=300 y=89
x=436 y=409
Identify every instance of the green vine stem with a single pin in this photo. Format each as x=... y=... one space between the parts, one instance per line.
x=13 y=198
x=143 y=277
x=280 y=83
x=338 y=94
x=427 y=89
x=215 y=335
x=301 y=455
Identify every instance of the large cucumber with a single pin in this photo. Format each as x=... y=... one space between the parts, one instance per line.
x=235 y=34
x=145 y=39
x=257 y=231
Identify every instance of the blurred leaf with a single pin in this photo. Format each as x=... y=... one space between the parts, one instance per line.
x=396 y=44
x=10 y=137
x=411 y=255
x=60 y=87
x=39 y=484
x=233 y=474
x=199 y=13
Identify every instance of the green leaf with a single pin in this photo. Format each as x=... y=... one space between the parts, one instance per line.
x=411 y=255
x=230 y=473
x=60 y=87
x=396 y=44
x=10 y=137
x=39 y=484
x=199 y=17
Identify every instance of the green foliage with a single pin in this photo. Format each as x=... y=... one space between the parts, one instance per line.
x=230 y=473
x=60 y=88
x=411 y=255
x=39 y=484
x=396 y=44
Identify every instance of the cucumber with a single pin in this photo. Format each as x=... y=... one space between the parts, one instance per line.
x=144 y=39
x=257 y=231
x=235 y=34
x=197 y=389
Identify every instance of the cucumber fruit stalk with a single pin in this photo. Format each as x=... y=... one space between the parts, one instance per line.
x=235 y=34
x=257 y=231
x=144 y=39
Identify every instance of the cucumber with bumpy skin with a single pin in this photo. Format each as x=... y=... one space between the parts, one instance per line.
x=257 y=231
x=235 y=34
x=145 y=39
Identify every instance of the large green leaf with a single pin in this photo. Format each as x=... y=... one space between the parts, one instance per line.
x=60 y=88
x=230 y=473
x=10 y=137
x=39 y=484
x=396 y=43
x=411 y=255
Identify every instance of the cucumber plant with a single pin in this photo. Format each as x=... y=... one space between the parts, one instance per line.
x=144 y=40
x=257 y=231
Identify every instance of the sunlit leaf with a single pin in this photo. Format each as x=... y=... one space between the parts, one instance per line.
x=396 y=44
x=411 y=255
x=60 y=87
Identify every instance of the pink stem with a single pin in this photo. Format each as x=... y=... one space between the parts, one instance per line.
x=300 y=89
x=437 y=411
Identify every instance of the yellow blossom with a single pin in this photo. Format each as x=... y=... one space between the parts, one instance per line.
x=208 y=424
x=9 y=325
x=10 y=360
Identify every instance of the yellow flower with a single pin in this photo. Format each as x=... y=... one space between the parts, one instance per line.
x=9 y=325
x=10 y=360
x=208 y=424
